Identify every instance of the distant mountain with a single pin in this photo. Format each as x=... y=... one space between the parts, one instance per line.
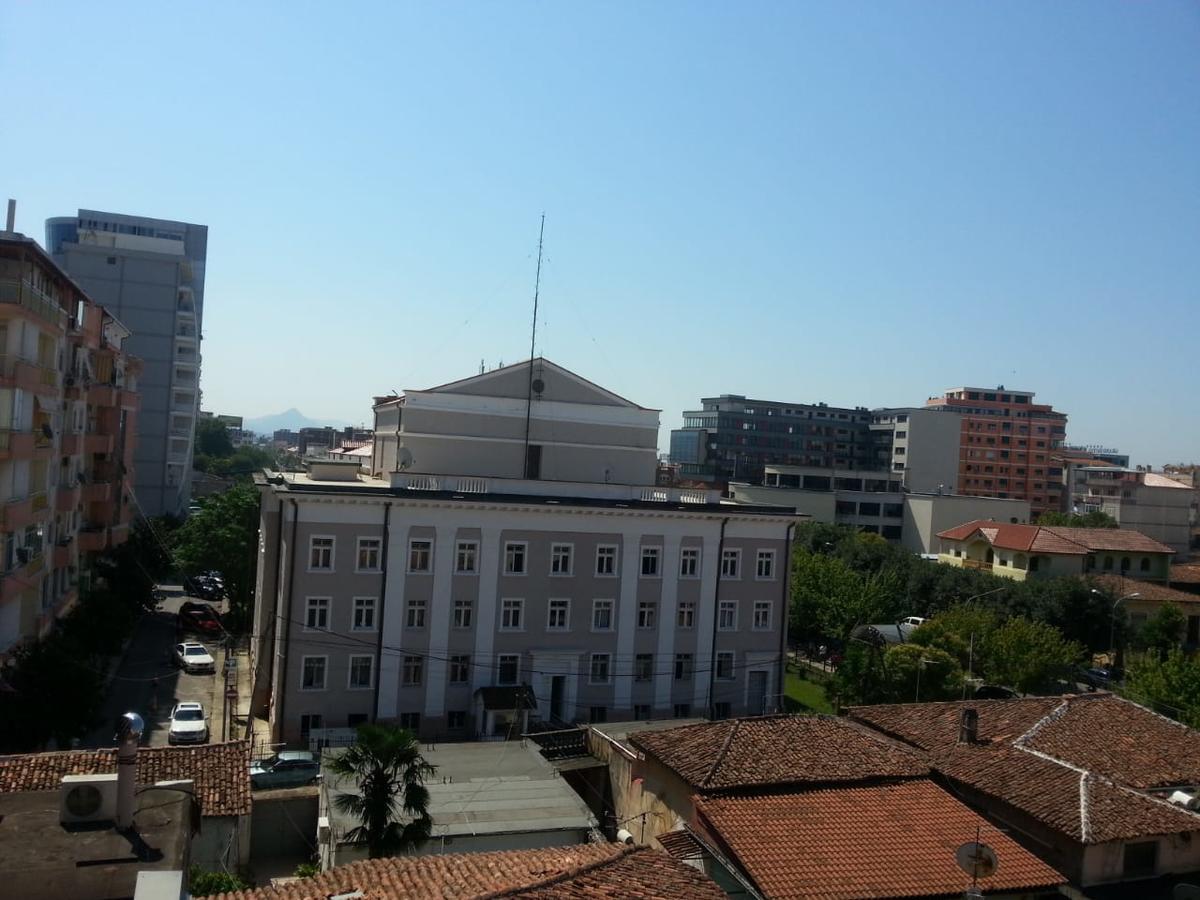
x=291 y=419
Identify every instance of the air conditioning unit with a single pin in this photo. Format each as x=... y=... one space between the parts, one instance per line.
x=323 y=830
x=88 y=798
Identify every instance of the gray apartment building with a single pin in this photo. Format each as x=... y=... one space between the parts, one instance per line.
x=508 y=559
x=150 y=274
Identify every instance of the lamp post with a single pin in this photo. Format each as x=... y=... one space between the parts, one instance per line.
x=1112 y=623
x=971 y=651
x=920 y=665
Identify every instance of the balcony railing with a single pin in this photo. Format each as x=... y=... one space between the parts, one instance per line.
x=21 y=292
x=977 y=564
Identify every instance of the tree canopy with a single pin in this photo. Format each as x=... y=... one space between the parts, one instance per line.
x=1094 y=519
x=223 y=536
x=1170 y=685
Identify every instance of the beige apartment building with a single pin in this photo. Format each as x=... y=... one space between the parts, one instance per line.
x=477 y=582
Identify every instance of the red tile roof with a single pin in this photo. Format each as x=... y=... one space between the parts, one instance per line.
x=1119 y=586
x=1047 y=539
x=1111 y=539
x=558 y=873
x=1080 y=764
x=1186 y=573
x=221 y=771
x=734 y=753
x=894 y=840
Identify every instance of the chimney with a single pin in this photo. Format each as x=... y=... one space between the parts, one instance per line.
x=129 y=735
x=968 y=727
x=10 y=223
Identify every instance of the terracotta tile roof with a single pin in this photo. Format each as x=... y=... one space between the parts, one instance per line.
x=1078 y=763
x=558 y=873
x=1047 y=539
x=681 y=844
x=1111 y=539
x=1186 y=573
x=999 y=534
x=734 y=753
x=221 y=771
x=895 y=840
x=1150 y=590
x=1154 y=479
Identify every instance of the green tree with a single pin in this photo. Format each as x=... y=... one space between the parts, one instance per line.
x=914 y=672
x=223 y=535
x=204 y=884
x=1094 y=519
x=392 y=803
x=1163 y=631
x=1028 y=656
x=830 y=599
x=1170 y=685
x=212 y=438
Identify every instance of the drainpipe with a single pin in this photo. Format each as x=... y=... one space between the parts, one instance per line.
x=712 y=665
x=783 y=609
x=383 y=557
x=287 y=621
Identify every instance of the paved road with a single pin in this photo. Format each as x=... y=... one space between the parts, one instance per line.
x=147 y=658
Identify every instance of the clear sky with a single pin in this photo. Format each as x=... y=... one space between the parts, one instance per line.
x=864 y=204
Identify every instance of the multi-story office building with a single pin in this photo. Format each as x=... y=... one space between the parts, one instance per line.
x=508 y=556
x=734 y=439
x=1005 y=445
x=920 y=446
x=150 y=274
x=68 y=404
x=1158 y=506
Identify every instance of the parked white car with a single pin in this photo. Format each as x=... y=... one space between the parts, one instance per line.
x=192 y=656
x=188 y=725
x=914 y=621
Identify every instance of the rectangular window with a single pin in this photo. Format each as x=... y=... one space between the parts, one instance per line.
x=364 y=614
x=650 y=556
x=466 y=554
x=598 y=673
x=643 y=666
x=320 y=554
x=682 y=711
x=410 y=721
x=689 y=562
x=647 y=614
x=456 y=719
x=462 y=613
x=512 y=614
x=1141 y=859
x=420 y=555
x=416 y=614
x=558 y=615
x=316 y=613
x=362 y=673
x=606 y=559
x=727 y=616
x=508 y=669
x=725 y=666
x=313 y=668
x=762 y=615
x=412 y=670
x=353 y=720
x=641 y=712
x=310 y=722
x=368 y=554
x=683 y=666
x=722 y=709
x=561 y=559
x=597 y=714
x=765 y=567
x=686 y=616
x=602 y=615
x=731 y=563
x=514 y=557
x=460 y=669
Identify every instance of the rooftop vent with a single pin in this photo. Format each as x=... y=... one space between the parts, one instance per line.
x=968 y=727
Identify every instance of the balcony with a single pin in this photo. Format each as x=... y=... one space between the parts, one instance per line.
x=93 y=539
x=130 y=400
x=118 y=534
x=977 y=564
x=71 y=444
x=66 y=498
x=63 y=554
x=22 y=293
x=98 y=443
x=28 y=375
x=25 y=576
x=16 y=515
x=97 y=492
x=102 y=395
x=16 y=444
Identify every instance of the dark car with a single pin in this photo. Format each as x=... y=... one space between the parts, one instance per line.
x=200 y=618
x=208 y=587
x=1102 y=677
x=994 y=692
x=290 y=768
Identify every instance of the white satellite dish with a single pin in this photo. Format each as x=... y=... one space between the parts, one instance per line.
x=404 y=458
x=976 y=859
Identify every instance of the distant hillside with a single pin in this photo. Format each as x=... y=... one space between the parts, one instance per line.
x=291 y=419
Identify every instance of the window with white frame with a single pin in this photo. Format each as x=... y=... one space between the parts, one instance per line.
x=460 y=669
x=647 y=614
x=602 y=615
x=683 y=666
x=764 y=568
x=415 y=617
x=412 y=670
x=466 y=557
x=362 y=673
x=689 y=562
x=606 y=559
x=650 y=560
x=364 y=614
x=598 y=672
x=727 y=616
x=316 y=613
x=508 y=668
x=561 y=559
x=514 y=557
x=558 y=615
x=643 y=666
x=512 y=615
x=320 y=554
x=312 y=670
x=685 y=617
x=762 y=615
x=725 y=666
x=420 y=555
x=368 y=554
x=731 y=563
x=462 y=613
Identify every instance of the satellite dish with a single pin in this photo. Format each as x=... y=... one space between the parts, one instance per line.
x=538 y=386
x=976 y=859
x=404 y=458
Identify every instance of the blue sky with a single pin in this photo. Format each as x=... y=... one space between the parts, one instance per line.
x=855 y=203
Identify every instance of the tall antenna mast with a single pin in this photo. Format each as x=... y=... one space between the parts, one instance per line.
x=537 y=284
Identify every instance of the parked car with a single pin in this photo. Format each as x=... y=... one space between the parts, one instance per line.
x=994 y=692
x=192 y=656
x=208 y=586
x=200 y=618
x=914 y=621
x=188 y=725
x=288 y=768
x=1102 y=677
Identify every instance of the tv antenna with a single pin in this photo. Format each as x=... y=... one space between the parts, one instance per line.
x=537 y=283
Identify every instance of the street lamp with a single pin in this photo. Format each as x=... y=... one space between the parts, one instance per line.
x=1112 y=623
x=920 y=665
x=971 y=652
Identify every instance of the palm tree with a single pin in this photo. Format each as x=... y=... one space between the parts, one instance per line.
x=386 y=764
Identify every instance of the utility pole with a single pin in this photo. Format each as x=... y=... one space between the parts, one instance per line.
x=537 y=283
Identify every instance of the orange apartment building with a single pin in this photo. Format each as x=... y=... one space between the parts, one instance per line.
x=68 y=409
x=1005 y=445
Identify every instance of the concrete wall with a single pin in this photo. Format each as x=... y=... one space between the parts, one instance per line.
x=927 y=514
x=223 y=843
x=285 y=825
x=1104 y=863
